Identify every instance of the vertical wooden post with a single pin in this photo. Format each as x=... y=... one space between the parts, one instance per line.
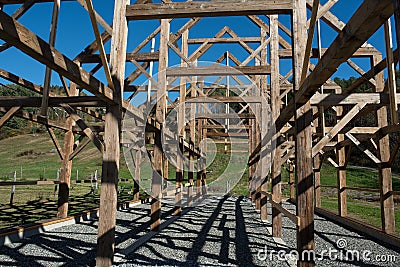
x=200 y=167
x=66 y=164
x=292 y=182
x=136 y=182
x=258 y=167
x=251 y=149
x=341 y=170
x=385 y=171
x=181 y=128
x=275 y=106
x=13 y=189
x=111 y=156
x=303 y=117
x=192 y=140
x=264 y=125
x=397 y=23
x=204 y=161
x=317 y=179
x=156 y=186
x=165 y=172
x=66 y=167
x=391 y=72
x=52 y=41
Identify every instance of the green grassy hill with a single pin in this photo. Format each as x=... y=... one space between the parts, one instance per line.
x=35 y=155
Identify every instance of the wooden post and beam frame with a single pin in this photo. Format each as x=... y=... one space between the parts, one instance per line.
x=385 y=171
x=341 y=169
x=264 y=155
x=275 y=107
x=367 y=19
x=156 y=187
x=192 y=140
x=20 y=37
x=181 y=128
x=303 y=141
x=111 y=156
x=199 y=164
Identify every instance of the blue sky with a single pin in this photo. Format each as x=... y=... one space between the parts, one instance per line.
x=75 y=33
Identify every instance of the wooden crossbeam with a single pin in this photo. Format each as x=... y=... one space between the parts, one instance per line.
x=79 y=149
x=55 y=142
x=86 y=130
x=98 y=18
x=336 y=129
x=16 y=15
x=362 y=52
x=100 y=44
x=366 y=20
x=19 y=36
x=8 y=115
x=379 y=67
x=242 y=44
x=310 y=38
x=218 y=71
x=224 y=40
x=360 y=71
x=206 y=9
x=141 y=57
x=260 y=23
x=328 y=18
x=287 y=155
x=225 y=99
x=27 y=101
x=366 y=151
x=39 y=89
x=350 y=99
x=322 y=9
x=37 y=119
x=52 y=40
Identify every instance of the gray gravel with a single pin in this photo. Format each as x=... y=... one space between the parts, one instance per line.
x=218 y=232
x=327 y=236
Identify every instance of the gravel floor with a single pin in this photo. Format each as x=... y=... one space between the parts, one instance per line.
x=218 y=232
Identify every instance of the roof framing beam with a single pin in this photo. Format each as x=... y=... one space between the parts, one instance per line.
x=367 y=19
x=207 y=9
x=19 y=36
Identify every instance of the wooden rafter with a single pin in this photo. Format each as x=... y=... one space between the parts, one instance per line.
x=19 y=36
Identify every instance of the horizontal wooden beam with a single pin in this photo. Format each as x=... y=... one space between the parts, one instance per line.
x=140 y=57
x=219 y=134
x=39 y=89
x=361 y=52
x=225 y=40
x=351 y=99
x=37 y=119
x=225 y=99
x=207 y=9
x=26 y=101
x=219 y=71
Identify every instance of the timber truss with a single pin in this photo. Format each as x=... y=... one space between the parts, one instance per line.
x=298 y=100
